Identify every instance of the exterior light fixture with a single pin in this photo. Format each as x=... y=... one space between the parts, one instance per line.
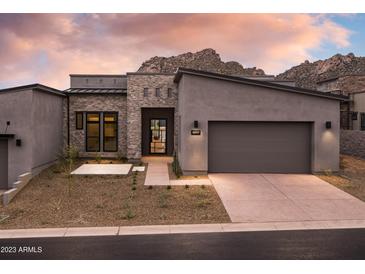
x=328 y=125
x=195 y=130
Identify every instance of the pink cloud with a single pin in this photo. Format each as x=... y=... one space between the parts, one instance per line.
x=47 y=47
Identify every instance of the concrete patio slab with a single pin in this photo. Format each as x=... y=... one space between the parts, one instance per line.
x=285 y=198
x=91 y=231
x=138 y=168
x=102 y=169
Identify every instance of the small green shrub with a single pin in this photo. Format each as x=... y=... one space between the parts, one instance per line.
x=186 y=186
x=134 y=188
x=176 y=166
x=163 y=200
x=150 y=187
x=168 y=187
x=98 y=158
x=203 y=186
x=328 y=172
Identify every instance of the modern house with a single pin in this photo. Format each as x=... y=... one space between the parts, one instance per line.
x=353 y=110
x=213 y=122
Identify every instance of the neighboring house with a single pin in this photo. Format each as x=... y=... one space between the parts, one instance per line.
x=353 y=110
x=213 y=122
x=30 y=130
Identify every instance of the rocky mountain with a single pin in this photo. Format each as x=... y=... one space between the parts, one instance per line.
x=308 y=74
x=207 y=59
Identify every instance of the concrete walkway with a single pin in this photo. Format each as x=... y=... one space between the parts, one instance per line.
x=284 y=198
x=177 y=229
x=158 y=173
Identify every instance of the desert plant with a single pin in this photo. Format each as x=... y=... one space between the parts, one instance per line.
x=98 y=158
x=327 y=172
x=69 y=156
x=203 y=186
x=150 y=187
x=168 y=187
x=163 y=200
x=186 y=186
x=129 y=215
x=176 y=166
x=134 y=188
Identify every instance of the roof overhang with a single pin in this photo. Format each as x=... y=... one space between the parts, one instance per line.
x=258 y=83
x=37 y=87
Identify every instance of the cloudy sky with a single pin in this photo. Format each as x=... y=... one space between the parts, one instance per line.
x=46 y=48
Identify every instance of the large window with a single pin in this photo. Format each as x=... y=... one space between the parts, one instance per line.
x=79 y=120
x=93 y=131
x=110 y=129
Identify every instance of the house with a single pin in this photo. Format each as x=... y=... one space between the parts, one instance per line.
x=353 y=110
x=213 y=122
x=31 y=133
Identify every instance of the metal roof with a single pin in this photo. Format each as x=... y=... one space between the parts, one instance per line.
x=260 y=83
x=95 y=91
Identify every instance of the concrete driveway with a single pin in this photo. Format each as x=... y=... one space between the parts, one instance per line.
x=284 y=197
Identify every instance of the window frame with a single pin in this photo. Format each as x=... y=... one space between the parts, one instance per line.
x=117 y=130
x=82 y=120
x=158 y=92
x=86 y=131
x=169 y=92
x=145 y=92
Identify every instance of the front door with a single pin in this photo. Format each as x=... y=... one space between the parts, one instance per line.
x=157 y=131
x=3 y=164
x=158 y=136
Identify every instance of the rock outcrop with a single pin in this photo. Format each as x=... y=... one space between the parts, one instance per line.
x=308 y=74
x=207 y=59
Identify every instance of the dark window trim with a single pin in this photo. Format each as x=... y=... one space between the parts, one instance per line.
x=145 y=92
x=157 y=92
x=150 y=135
x=82 y=120
x=169 y=92
x=117 y=135
x=86 y=135
x=362 y=121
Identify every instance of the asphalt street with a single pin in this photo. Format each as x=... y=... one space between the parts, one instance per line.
x=304 y=244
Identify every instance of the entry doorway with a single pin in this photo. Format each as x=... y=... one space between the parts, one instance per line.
x=158 y=136
x=157 y=131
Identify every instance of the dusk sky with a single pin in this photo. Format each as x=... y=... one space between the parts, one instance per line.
x=46 y=48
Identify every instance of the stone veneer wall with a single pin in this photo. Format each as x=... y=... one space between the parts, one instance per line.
x=352 y=142
x=135 y=101
x=98 y=102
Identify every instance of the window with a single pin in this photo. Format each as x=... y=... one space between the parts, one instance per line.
x=354 y=115
x=362 y=124
x=169 y=92
x=93 y=132
x=157 y=92
x=145 y=92
x=79 y=120
x=110 y=129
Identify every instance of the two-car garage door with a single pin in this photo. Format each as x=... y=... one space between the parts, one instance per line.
x=271 y=147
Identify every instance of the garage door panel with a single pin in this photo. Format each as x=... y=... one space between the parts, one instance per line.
x=276 y=147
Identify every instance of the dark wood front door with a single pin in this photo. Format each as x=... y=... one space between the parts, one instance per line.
x=157 y=131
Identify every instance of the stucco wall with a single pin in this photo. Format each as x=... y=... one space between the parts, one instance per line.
x=98 y=102
x=205 y=99
x=136 y=100
x=16 y=106
x=47 y=125
x=353 y=142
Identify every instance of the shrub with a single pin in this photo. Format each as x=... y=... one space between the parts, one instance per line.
x=150 y=187
x=176 y=166
x=163 y=200
x=203 y=186
x=168 y=187
x=186 y=186
x=98 y=158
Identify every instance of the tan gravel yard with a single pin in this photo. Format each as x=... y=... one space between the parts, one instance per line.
x=108 y=201
x=351 y=177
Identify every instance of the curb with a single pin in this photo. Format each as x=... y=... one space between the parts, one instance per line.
x=177 y=229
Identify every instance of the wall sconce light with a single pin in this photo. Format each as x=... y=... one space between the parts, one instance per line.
x=195 y=130
x=328 y=125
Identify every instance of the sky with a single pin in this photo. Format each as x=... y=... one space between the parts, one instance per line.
x=46 y=48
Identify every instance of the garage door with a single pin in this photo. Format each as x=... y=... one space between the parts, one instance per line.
x=3 y=164
x=271 y=147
